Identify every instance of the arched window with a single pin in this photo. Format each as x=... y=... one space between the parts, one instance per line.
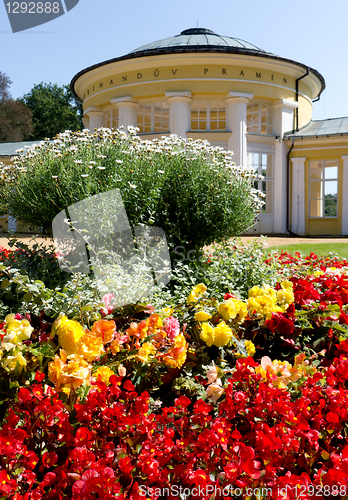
x=260 y=118
x=153 y=117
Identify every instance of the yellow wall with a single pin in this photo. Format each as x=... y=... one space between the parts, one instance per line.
x=152 y=77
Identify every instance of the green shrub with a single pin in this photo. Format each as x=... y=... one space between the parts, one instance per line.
x=187 y=188
x=230 y=268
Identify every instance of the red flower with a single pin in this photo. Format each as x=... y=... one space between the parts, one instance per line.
x=49 y=459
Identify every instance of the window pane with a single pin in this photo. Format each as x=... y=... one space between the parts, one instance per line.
x=315 y=190
x=161 y=117
x=331 y=188
x=330 y=206
x=330 y=163
x=267 y=189
x=315 y=209
x=330 y=172
x=316 y=170
x=222 y=123
x=213 y=125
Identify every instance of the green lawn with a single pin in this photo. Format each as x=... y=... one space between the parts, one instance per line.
x=318 y=248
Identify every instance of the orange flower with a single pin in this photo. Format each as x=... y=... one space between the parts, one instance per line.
x=55 y=368
x=138 y=330
x=115 y=346
x=176 y=356
x=90 y=346
x=68 y=372
x=105 y=329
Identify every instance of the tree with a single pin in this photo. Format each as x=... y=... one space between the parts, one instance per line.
x=55 y=109
x=15 y=118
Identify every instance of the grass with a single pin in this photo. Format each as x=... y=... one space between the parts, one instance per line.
x=318 y=248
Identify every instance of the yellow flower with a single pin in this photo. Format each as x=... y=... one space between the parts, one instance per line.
x=11 y=362
x=196 y=293
x=90 y=346
x=202 y=316
x=218 y=336
x=254 y=291
x=69 y=333
x=146 y=350
x=222 y=334
x=263 y=301
x=250 y=348
x=115 y=346
x=233 y=309
x=285 y=295
x=104 y=373
x=166 y=312
x=207 y=334
x=17 y=330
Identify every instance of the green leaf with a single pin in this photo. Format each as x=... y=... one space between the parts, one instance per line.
x=27 y=297
x=5 y=284
x=42 y=349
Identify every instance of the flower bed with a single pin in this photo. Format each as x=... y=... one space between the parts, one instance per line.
x=207 y=399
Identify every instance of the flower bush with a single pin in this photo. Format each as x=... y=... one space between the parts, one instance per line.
x=192 y=191
x=237 y=397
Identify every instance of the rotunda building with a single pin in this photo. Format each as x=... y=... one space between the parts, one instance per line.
x=201 y=85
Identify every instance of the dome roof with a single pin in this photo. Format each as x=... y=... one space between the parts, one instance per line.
x=200 y=40
x=195 y=39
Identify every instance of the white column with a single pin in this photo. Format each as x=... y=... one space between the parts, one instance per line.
x=85 y=122
x=298 y=222
x=283 y=121
x=95 y=118
x=345 y=196
x=179 y=112
x=236 y=114
x=127 y=111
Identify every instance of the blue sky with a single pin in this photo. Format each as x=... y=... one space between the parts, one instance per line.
x=309 y=32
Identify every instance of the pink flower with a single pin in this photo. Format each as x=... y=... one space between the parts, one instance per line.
x=212 y=374
x=172 y=327
x=122 y=371
x=215 y=390
x=109 y=303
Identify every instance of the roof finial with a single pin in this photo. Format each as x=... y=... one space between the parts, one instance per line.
x=197 y=23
